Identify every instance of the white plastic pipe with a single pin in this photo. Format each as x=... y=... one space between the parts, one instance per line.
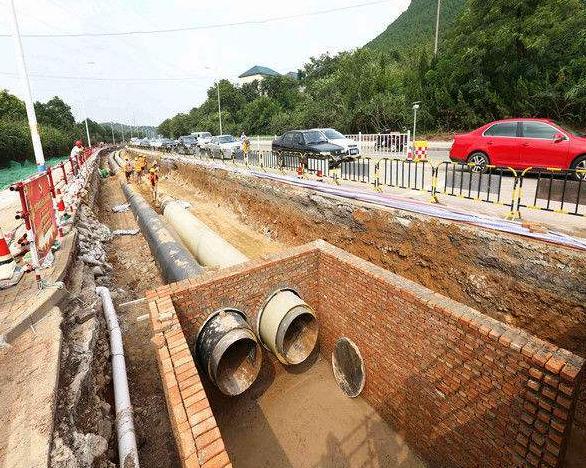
x=127 y=451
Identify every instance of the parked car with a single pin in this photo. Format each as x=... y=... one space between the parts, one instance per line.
x=350 y=146
x=203 y=138
x=520 y=144
x=224 y=146
x=168 y=143
x=187 y=142
x=144 y=142
x=303 y=143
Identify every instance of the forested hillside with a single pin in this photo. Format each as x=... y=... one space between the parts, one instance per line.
x=57 y=128
x=499 y=59
x=415 y=27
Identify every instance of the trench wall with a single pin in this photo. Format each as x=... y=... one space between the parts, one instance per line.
x=464 y=389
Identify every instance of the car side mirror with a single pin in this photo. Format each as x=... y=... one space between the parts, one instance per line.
x=558 y=137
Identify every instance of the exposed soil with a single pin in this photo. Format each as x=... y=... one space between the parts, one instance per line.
x=529 y=284
x=302 y=419
x=134 y=272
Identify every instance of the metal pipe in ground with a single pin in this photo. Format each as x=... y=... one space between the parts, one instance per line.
x=286 y=324
x=228 y=350
x=231 y=354
x=127 y=450
x=174 y=260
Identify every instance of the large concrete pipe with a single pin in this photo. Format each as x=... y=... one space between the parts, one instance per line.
x=174 y=260
x=208 y=248
x=287 y=326
x=228 y=350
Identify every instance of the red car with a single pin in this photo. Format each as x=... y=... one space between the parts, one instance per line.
x=521 y=143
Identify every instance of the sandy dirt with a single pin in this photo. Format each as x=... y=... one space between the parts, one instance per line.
x=301 y=419
x=134 y=273
x=219 y=217
x=28 y=374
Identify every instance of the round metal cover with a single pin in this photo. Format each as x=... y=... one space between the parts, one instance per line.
x=348 y=367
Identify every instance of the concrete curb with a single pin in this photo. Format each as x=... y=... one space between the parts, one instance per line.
x=48 y=298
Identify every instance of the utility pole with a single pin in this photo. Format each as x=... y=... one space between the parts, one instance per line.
x=87 y=130
x=415 y=107
x=28 y=97
x=437 y=19
x=112 y=127
x=219 y=108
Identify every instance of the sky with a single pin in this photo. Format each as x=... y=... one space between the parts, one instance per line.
x=145 y=78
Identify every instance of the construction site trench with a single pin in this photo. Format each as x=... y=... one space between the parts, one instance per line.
x=297 y=416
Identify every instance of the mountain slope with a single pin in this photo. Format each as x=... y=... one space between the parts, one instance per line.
x=416 y=25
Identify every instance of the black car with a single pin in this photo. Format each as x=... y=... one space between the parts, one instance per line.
x=304 y=143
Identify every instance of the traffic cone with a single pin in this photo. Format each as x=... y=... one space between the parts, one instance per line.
x=7 y=263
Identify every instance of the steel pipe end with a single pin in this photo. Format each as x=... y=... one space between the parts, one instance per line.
x=236 y=362
x=288 y=327
x=228 y=350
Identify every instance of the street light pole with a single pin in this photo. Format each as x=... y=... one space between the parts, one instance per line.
x=437 y=20
x=415 y=107
x=28 y=97
x=219 y=108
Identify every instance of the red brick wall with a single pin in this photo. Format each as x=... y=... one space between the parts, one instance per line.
x=463 y=388
x=197 y=436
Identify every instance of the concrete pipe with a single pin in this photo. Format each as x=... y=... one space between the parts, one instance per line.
x=287 y=326
x=228 y=350
x=207 y=247
x=174 y=260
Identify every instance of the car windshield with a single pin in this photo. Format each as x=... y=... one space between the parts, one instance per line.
x=571 y=130
x=226 y=139
x=206 y=135
x=314 y=136
x=332 y=134
x=188 y=139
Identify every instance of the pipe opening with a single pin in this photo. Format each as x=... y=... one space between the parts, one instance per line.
x=228 y=350
x=238 y=366
x=348 y=367
x=288 y=326
x=300 y=338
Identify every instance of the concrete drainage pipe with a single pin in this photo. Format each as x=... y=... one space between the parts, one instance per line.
x=228 y=350
x=288 y=326
x=207 y=247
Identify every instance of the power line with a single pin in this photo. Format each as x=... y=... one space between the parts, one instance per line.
x=97 y=78
x=210 y=26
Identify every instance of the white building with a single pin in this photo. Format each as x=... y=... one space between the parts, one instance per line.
x=256 y=73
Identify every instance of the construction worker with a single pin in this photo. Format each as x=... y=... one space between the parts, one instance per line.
x=75 y=152
x=137 y=168
x=246 y=148
x=154 y=179
x=127 y=169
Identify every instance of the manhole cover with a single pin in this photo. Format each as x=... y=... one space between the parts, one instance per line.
x=348 y=367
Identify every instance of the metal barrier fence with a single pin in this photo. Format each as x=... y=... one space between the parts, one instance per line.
x=553 y=190
x=402 y=173
x=558 y=191
x=393 y=144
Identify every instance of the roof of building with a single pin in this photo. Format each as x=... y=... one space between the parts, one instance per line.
x=259 y=70
x=294 y=75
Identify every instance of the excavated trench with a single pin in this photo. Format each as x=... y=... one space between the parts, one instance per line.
x=528 y=284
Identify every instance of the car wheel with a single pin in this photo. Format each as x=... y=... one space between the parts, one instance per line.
x=479 y=161
x=580 y=165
